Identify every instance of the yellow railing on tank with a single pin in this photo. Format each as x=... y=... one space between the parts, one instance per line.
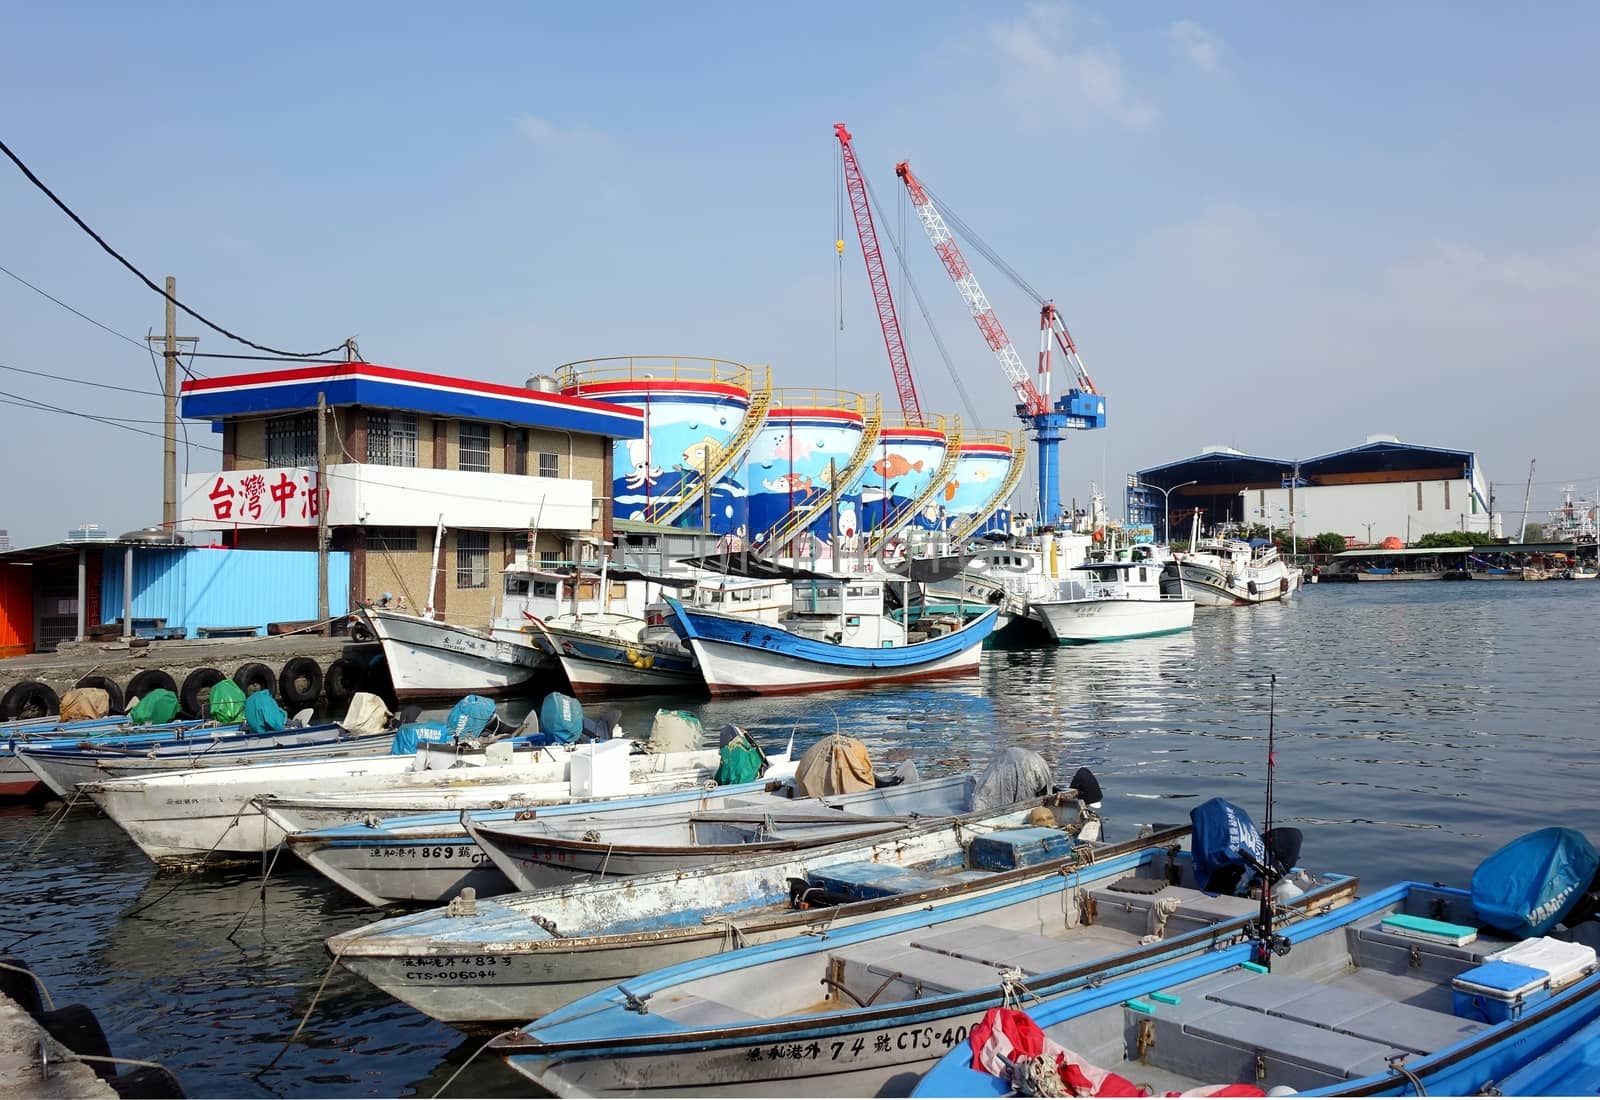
x=572 y=377
x=1019 y=457
x=804 y=397
x=893 y=523
x=893 y=419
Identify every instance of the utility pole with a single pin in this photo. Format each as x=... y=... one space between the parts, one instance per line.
x=320 y=502
x=169 y=450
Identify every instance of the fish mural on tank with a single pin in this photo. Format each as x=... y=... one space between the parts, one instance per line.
x=689 y=424
x=787 y=468
x=904 y=463
x=980 y=473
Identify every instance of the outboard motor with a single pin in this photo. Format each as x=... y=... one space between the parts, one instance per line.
x=1532 y=884
x=1088 y=788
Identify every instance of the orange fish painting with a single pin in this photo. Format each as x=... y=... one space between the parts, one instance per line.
x=950 y=488
x=893 y=465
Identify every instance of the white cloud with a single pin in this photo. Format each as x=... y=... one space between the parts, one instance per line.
x=1228 y=247
x=1052 y=75
x=542 y=132
x=1201 y=46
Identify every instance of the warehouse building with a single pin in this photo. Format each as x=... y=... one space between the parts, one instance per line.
x=1381 y=489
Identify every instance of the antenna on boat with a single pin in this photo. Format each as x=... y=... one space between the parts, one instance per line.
x=1270 y=943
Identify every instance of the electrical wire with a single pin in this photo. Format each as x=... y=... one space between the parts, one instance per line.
x=69 y=309
x=114 y=422
x=114 y=254
x=82 y=381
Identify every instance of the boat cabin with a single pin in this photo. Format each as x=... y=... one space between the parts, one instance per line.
x=1114 y=580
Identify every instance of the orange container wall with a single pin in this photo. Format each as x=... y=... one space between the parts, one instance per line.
x=16 y=610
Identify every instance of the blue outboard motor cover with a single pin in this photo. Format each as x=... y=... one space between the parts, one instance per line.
x=1224 y=836
x=1526 y=887
x=468 y=717
x=561 y=718
x=411 y=734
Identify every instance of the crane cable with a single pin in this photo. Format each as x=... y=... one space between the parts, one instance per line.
x=99 y=240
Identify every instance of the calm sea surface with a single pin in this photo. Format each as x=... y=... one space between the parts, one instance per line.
x=1419 y=727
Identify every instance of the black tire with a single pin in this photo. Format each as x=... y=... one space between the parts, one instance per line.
x=254 y=677
x=147 y=681
x=361 y=632
x=300 y=682
x=29 y=699
x=21 y=988
x=343 y=679
x=75 y=1027
x=195 y=697
x=147 y=1083
x=114 y=700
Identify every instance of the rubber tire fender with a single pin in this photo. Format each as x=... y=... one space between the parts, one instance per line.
x=201 y=679
x=29 y=699
x=113 y=690
x=255 y=676
x=145 y=682
x=300 y=682
x=21 y=988
x=344 y=678
x=147 y=1083
x=75 y=1027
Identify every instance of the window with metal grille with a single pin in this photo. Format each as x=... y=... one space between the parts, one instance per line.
x=392 y=439
x=292 y=440
x=391 y=538
x=549 y=464
x=472 y=559
x=473 y=452
x=549 y=558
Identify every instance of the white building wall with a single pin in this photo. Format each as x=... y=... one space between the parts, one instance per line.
x=1407 y=510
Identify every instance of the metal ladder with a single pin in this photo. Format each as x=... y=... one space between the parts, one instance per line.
x=941 y=477
x=807 y=513
x=691 y=488
x=1019 y=458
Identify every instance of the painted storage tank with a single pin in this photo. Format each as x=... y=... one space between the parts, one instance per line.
x=903 y=465
x=787 y=467
x=697 y=419
x=977 y=487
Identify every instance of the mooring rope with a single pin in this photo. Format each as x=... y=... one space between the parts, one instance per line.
x=44 y=990
x=181 y=879
x=474 y=1057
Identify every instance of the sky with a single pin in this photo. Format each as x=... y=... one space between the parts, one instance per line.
x=1280 y=229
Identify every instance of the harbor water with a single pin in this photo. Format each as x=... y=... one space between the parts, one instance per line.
x=1419 y=727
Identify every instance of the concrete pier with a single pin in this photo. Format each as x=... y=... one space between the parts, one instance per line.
x=121 y=661
x=21 y=1069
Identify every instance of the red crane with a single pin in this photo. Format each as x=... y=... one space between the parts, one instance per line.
x=893 y=342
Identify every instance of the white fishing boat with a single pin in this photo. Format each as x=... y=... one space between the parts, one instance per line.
x=190 y=816
x=552 y=945
x=1113 y=601
x=860 y=1011
x=429 y=659
x=836 y=634
x=1226 y=572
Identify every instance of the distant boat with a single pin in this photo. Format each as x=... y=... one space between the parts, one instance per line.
x=1223 y=572
x=1115 y=600
x=836 y=635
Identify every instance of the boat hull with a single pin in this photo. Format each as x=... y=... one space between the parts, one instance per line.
x=1082 y=622
x=598 y=667
x=1210 y=587
x=429 y=659
x=740 y=657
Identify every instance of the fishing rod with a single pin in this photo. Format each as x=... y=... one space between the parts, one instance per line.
x=1270 y=943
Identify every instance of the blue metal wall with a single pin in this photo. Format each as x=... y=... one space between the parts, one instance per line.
x=192 y=588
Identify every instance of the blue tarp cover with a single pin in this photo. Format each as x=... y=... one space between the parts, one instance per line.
x=1223 y=836
x=410 y=735
x=561 y=718
x=468 y=717
x=1526 y=887
x=262 y=714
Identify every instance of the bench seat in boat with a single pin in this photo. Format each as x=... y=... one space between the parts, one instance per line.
x=1008 y=849
x=866 y=880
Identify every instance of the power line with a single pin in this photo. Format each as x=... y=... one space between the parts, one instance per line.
x=114 y=254
x=69 y=309
x=113 y=422
x=82 y=382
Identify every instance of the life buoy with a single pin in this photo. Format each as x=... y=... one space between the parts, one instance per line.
x=300 y=682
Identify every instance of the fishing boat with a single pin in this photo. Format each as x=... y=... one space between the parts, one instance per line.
x=428 y=659
x=17 y=781
x=1114 y=601
x=1227 y=572
x=552 y=945
x=622 y=842
x=1416 y=989
x=63 y=767
x=836 y=635
x=214 y=813
x=861 y=1011
x=608 y=654
x=429 y=857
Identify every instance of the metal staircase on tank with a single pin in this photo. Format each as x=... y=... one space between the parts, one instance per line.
x=806 y=514
x=896 y=520
x=1019 y=459
x=691 y=488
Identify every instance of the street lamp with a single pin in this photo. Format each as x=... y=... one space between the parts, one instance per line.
x=1166 y=501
